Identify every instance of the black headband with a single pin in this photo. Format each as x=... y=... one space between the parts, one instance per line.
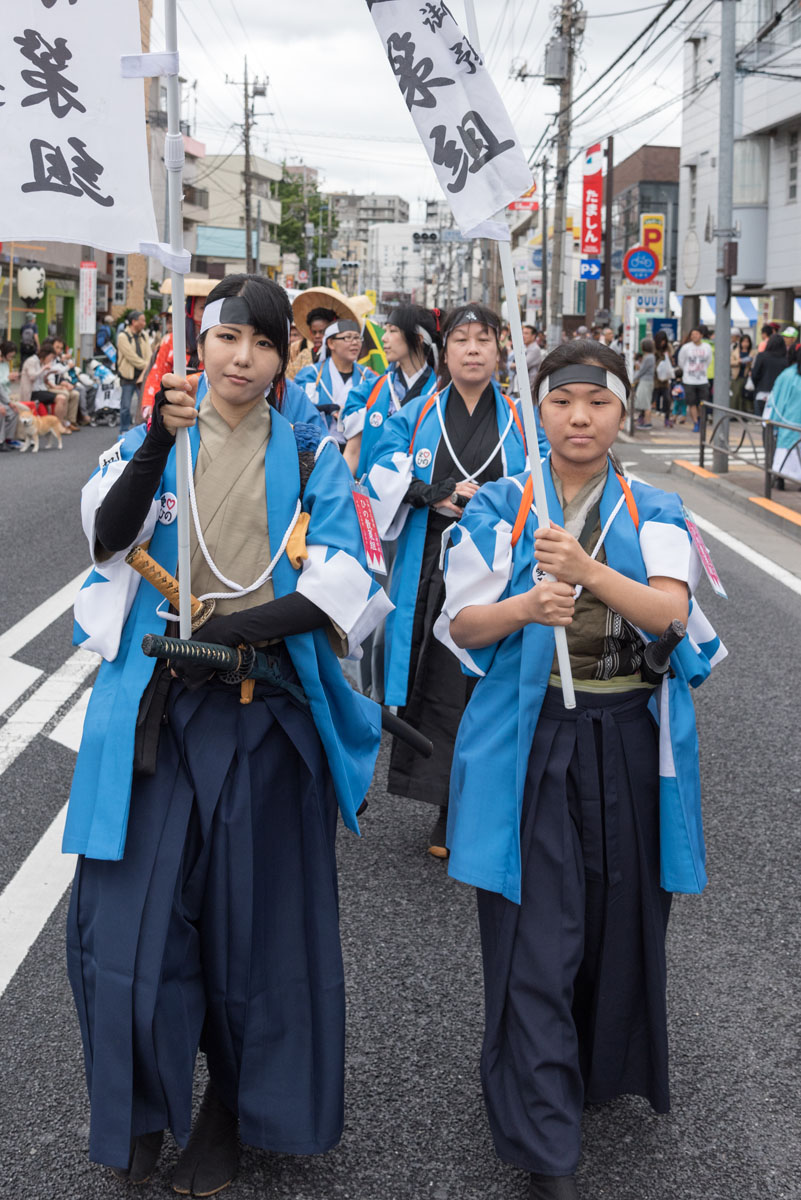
x=231 y=310
x=583 y=373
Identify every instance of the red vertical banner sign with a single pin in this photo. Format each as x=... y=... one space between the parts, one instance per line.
x=591 y=202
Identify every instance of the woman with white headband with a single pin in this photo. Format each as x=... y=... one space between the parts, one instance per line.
x=412 y=343
x=203 y=808
x=328 y=382
x=575 y=825
x=432 y=457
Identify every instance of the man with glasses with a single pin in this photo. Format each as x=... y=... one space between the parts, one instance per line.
x=328 y=382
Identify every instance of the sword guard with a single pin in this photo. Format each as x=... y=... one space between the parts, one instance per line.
x=203 y=613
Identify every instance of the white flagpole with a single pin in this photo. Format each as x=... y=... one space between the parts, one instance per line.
x=527 y=406
x=174 y=162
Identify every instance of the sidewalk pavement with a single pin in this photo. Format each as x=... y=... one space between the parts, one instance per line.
x=743 y=483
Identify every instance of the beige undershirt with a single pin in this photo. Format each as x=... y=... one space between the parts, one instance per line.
x=230 y=490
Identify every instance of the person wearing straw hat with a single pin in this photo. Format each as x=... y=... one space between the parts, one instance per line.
x=313 y=310
x=574 y=825
x=328 y=383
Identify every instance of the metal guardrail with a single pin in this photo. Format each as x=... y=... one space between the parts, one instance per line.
x=758 y=434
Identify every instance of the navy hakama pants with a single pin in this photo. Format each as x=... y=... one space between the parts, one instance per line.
x=575 y=975
x=218 y=928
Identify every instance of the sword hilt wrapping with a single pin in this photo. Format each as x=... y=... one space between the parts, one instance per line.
x=199 y=654
x=166 y=585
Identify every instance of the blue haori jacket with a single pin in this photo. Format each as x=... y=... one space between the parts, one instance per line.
x=406 y=450
x=368 y=407
x=295 y=405
x=315 y=380
x=647 y=539
x=116 y=608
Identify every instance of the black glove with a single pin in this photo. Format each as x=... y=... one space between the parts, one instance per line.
x=421 y=494
x=277 y=619
x=125 y=507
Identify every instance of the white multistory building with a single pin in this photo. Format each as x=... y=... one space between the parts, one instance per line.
x=767 y=198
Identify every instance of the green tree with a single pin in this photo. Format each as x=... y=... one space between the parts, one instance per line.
x=301 y=204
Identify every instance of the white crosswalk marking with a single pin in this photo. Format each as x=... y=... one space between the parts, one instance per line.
x=30 y=897
x=69 y=730
x=31 y=717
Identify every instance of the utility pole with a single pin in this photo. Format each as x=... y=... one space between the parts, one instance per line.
x=257 y=266
x=544 y=211
x=248 y=237
x=727 y=248
x=608 y=240
x=571 y=25
x=257 y=89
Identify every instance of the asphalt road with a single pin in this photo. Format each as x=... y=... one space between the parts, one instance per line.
x=415 y=1121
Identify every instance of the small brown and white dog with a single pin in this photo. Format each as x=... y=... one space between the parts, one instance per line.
x=31 y=427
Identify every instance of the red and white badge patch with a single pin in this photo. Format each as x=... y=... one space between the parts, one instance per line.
x=423 y=458
x=369 y=529
x=376 y=419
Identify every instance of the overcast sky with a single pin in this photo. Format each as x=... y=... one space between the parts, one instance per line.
x=335 y=104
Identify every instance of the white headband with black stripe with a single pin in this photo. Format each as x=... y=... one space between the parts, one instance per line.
x=583 y=373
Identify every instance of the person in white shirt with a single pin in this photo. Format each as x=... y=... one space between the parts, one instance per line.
x=694 y=359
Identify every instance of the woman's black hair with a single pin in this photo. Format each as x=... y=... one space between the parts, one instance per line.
x=775 y=345
x=746 y=337
x=483 y=316
x=321 y=314
x=7 y=348
x=661 y=342
x=582 y=350
x=407 y=317
x=272 y=315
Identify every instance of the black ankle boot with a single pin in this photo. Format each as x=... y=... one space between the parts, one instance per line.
x=552 y=1187
x=209 y=1162
x=145 y=1151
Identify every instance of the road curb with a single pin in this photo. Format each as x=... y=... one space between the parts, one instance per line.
x=770 y=512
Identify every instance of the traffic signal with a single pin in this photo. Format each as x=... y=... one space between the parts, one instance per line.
x=427 y=235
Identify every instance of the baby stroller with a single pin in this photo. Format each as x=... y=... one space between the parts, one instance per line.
x=108 y=395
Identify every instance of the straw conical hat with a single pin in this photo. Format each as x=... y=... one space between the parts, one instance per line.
x=193 y=286
x=322 y=297
x=361 y=304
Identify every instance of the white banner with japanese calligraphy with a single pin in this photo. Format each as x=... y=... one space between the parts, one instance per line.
x=75 y=165
x=459 y=115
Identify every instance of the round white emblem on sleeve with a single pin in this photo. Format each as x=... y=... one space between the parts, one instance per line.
x=423 y=458
x=168 y=508
x=376 y=419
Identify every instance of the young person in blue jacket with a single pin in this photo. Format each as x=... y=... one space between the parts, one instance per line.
x=412 y=342
x=204 y=909
x=433 y=455
x=329 y=381
x=574 y=825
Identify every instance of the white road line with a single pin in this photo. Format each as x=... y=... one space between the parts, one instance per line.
x=30 y=897
x=15 y=678
x=780 y=574
x=69 y=730
x=40 y=617
x=31 y=717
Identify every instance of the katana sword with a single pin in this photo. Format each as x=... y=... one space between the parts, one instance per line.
x=245 y=663
x=167 y=585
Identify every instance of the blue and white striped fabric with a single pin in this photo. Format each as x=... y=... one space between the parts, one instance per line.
x=335 y=576
x=497 y=730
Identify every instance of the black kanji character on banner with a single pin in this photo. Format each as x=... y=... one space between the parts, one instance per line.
x=413 y=78
x=434 y=15
x=49 y=80
x=465 y=53
x=479 y=145
x=53 y=3
x=52 y=174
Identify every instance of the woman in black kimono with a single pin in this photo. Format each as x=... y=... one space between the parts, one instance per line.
x=432 y=457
